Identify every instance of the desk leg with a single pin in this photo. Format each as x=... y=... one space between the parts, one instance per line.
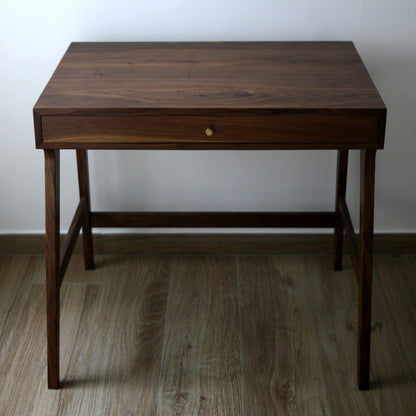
x=84 y=191
x=340 y=194
x=365 y=265
x=52 y=263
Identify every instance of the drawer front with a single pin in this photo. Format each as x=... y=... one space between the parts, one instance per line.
x=222 y=131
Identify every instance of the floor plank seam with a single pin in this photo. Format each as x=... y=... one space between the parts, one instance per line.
x=310 y=283
x=241 y=335
x=26 y=297
x=163 y=342
x=79 y=372
x=399 y=353
x=76 y=284
x=318 y=341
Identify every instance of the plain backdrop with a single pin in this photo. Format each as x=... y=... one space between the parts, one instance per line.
x=35 y=34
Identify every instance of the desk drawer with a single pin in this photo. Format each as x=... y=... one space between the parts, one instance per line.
x=281 y=131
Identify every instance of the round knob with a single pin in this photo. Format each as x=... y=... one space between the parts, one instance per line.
x=209 y=131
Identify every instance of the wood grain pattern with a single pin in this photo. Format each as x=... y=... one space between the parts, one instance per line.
x=201 y=372
x=165 y=95
x=314 y=130
x=16 y=274
x=395 y=278
x=248 y=95
x=334 y=297
x=210 y=75
x=76 y=273
x=23 y=377
x=122 y=364
x=282 y=369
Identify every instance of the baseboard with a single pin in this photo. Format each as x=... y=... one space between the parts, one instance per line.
x=245 y=244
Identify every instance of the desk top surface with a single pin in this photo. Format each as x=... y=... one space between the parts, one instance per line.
x=210 y=77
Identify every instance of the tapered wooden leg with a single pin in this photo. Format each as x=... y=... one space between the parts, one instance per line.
x=84 y=191
x=342 y=166
x=52 y=263
x=365 y=265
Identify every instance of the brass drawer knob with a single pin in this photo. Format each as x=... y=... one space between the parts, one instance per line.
x=209 y=131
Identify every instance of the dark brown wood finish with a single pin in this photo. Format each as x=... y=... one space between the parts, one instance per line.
x=342 y=166
x=287 y=95
x=53 y=272
x=349 y=234
x=284 y=131
x=368 y=158
x=84 y=193
x=229 y=95
x=214 y=219
x=71 y=238
x=237 y=77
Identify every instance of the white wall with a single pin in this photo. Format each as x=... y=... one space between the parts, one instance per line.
x=35 y=34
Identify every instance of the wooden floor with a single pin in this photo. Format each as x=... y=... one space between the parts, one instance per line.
x=208 y=335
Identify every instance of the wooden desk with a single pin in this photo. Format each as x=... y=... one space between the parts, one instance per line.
x=249 y=95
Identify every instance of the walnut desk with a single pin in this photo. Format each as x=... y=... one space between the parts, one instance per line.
x=205 y=96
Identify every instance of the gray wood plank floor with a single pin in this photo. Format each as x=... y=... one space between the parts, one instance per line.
x=207 y=335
